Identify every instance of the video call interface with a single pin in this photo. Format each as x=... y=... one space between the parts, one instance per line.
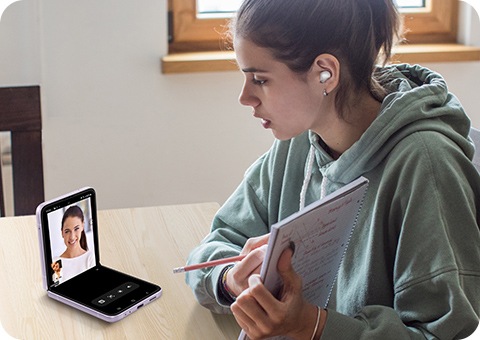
x=71 y=242
x=72 y=246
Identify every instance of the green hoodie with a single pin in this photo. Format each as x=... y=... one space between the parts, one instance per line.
x=412 y=269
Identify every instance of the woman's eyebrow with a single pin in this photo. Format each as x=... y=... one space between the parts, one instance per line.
x=252 y=70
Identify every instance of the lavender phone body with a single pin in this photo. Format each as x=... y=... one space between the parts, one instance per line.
x=67 y=226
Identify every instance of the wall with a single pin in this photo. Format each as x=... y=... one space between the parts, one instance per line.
x=114 y=122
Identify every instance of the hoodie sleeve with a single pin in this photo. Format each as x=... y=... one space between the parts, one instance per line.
x=433 y=217
x=243 y=216
x=258 y=202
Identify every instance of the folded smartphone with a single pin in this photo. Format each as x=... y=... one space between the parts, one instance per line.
x=70 y=254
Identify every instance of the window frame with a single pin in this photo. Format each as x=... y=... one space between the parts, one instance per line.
x=191 y=33
x=430 y=36
x=437 y=24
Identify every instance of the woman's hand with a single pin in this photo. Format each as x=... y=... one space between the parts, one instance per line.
x=237 y=277
x=254 y=243
x=261 y=315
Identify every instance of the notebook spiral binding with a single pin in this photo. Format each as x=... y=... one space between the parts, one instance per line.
x=346 y=245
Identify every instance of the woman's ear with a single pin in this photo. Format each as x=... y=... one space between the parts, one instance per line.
x=326 y=69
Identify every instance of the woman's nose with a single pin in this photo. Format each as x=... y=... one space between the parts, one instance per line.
x=247 y=97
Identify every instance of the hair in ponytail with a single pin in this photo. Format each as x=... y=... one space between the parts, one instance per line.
x=359 y=33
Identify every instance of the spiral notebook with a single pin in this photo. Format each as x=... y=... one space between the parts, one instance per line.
x=321 y=233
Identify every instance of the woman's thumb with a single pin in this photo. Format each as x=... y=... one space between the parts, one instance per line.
x=284 y=265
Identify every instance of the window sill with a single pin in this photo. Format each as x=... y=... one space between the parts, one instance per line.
x=412 y=54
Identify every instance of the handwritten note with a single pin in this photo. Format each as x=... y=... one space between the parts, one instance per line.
x=321 y=233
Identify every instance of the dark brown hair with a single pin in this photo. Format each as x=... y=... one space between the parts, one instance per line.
x=359 y=33
x=75 y=211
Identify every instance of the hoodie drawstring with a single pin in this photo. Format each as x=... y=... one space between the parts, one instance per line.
x=308 y=176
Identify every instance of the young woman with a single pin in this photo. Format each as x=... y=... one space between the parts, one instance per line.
x=412 y=269
x=73 y=233
x=76 y=258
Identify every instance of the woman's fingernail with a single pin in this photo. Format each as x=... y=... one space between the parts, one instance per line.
x=292 y=246
x=254 y=280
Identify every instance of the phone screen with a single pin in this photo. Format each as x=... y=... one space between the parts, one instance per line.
x=71 y=246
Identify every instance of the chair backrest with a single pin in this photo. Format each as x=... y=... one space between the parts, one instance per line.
x=20 y=114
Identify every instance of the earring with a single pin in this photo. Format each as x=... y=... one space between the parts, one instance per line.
x=325 y=93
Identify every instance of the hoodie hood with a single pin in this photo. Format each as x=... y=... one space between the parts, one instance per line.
x=418 y=100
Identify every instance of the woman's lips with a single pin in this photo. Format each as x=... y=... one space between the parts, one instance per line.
x=266 y=123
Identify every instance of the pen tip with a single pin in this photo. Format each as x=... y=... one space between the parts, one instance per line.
x=178 y=270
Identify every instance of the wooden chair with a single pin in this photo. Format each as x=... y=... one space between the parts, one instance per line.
x=20 y=114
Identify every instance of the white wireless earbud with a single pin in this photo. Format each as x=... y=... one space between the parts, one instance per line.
x=324 y=76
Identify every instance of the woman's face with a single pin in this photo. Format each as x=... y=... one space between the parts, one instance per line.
x=72 y=232
x=286 y=102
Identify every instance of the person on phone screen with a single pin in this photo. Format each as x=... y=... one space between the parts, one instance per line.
x=317 y=75
x=76 y=258
x=57 y=271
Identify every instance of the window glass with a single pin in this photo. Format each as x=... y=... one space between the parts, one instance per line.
x=226 y=8
x=217 y=8
x=410 y=3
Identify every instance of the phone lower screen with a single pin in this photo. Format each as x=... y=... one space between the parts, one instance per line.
x=105 y=290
